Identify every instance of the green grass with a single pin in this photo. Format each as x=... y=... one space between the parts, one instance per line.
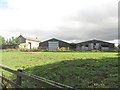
x=77 y=69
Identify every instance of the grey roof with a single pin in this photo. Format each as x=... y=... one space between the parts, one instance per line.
x=94 y=41
x=30 y=38
x=54 y=39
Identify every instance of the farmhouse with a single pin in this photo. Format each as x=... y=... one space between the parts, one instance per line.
x=95 y=45
x=28 y=43
x=54 y=44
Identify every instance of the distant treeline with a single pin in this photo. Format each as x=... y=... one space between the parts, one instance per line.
x=11 y=43
x=13 y=46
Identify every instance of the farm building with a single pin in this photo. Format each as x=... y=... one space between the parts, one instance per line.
x=73 y=46
x=28 y=43
x=54 y=44
x=95 y=45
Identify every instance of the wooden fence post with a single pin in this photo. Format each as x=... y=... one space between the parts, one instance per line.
x=19 y=78
x=2 y=78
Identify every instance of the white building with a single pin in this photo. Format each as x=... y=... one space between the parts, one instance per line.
x=28 y=43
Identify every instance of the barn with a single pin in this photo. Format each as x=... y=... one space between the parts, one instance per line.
x=95 y=45
x=73 y=46
x=54 y=45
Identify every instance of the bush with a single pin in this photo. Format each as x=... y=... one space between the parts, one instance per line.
x=30 y=50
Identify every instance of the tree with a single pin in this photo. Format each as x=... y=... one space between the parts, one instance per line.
x=7 y=41
x=13 y=41
x=17 y=40
x=119 y=47
x=2 y=40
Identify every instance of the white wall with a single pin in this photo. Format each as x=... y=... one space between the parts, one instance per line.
x=34 y=44
x=22 y=46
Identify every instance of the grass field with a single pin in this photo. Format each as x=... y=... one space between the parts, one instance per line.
x=77 y=69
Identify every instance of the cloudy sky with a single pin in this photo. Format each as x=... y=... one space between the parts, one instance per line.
x=70 y=20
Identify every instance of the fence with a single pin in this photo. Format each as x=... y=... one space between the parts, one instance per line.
x=39 y=80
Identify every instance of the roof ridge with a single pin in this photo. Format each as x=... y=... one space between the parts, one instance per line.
x=30 y=38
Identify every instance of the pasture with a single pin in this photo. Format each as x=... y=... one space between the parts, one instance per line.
x=77 y=69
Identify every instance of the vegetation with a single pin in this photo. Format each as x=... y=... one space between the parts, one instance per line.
x=77 y=69
x=119 y=47
x=11 y=43
x=2 y=40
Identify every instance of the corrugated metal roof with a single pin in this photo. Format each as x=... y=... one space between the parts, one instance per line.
x=54 y=39
x=94 y=41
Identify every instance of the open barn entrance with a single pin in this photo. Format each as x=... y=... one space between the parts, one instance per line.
x=29 y=45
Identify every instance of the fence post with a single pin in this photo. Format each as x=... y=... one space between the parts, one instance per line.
x=2 y=77
x=19 y=78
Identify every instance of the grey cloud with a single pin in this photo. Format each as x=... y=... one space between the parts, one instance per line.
x=96 y=14
x=102 y=26
x=96 y=23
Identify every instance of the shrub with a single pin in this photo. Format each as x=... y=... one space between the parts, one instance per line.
x=30 y=50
